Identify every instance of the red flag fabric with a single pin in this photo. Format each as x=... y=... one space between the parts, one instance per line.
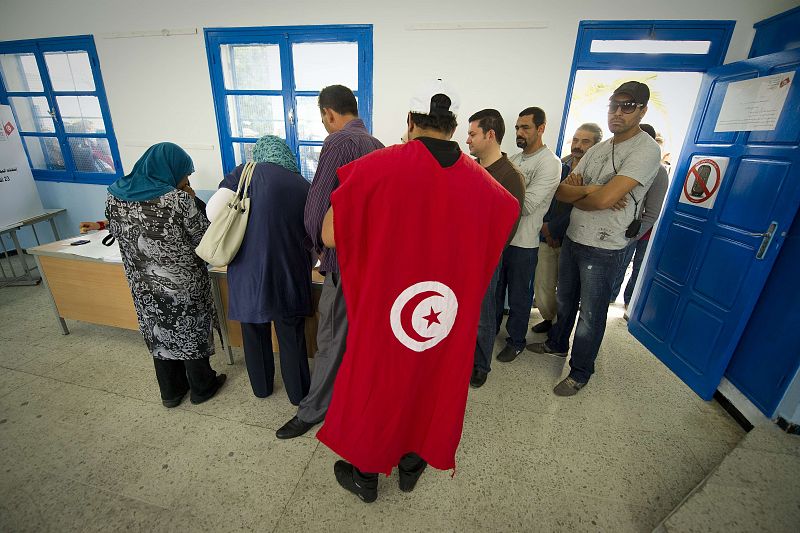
x=417 y=245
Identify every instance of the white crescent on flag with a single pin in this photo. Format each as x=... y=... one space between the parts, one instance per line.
x=423 y=315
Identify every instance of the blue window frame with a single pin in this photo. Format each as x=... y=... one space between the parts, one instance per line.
x=266 y=81
x=680 y=46
x=56 y=92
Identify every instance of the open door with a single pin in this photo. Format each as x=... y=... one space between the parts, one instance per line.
x=732 y=199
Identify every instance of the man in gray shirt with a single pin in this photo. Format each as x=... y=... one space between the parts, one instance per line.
x=606 y=189
x=542 y=171
x=653 y=202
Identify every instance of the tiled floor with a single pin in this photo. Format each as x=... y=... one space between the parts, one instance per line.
x=85 y=445
x=755 y=488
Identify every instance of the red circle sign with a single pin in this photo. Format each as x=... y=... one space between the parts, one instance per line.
x=706 y=193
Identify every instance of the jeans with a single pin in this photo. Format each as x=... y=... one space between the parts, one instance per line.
x=635 y=250
x=585 y=278
x=484 y=344
x=638 y=259
x=516 y=275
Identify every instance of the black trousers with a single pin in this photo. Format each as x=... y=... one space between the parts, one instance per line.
x=177 y=377
x=257 y=340
x=410 y=462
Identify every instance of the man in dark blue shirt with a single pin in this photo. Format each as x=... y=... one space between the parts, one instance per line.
x=553 y=230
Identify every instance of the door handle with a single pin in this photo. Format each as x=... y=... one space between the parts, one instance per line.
x=766 y=239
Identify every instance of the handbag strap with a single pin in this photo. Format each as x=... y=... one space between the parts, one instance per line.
x=251 y=166
x=244 y=185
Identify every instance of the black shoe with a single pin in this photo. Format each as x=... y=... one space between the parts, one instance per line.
x=408 y=480
x=293 y=428
x=169 y=404
x=508 y=354
x=568 y=387
x=218 y=385
x=542 y=327
x=478 y=378
x=344 y=475
x=542 y=347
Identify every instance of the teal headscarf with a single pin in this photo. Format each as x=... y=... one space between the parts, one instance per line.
x=157 y=172
x=272 y=149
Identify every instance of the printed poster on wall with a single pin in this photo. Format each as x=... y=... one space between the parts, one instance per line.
x=19 y=198
x=703 y=180
x=754 y=105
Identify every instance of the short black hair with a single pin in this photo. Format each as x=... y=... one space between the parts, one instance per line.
x=539 y=117
x=490 y=119
x=444 y=122
x=339 y=98
x=648 y=129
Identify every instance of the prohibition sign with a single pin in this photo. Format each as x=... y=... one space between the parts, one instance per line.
x=700 y=182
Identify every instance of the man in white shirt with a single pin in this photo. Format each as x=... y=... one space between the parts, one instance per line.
x=607 y=189
x=542 y=171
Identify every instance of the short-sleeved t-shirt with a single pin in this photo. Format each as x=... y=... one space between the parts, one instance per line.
x=638 y=158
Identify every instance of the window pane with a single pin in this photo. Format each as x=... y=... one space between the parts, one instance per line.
x=309 y=159
x=650 y=46
x=20 y=73
x=317 y=65
x=81 y=114
x=309 y=123
x=69 y=71
x=251 y=66
x=254 y=116
x=91 y=155
x=33 y=114
x=243 y=152
x=45 y=153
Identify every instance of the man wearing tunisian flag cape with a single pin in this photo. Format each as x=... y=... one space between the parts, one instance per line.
x=418 y=229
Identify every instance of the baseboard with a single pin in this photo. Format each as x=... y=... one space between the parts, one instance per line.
x=733 y=411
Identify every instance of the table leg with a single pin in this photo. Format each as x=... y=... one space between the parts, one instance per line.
x=8 y=259
x=35 y=235
x=27 y=271
x=223 y=322
x=61 y=322
x=55 y=230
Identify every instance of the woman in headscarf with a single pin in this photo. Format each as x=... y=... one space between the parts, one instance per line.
x=158 y=226
x=269 y=280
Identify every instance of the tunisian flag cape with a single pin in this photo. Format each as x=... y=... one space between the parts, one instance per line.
x=417 y=245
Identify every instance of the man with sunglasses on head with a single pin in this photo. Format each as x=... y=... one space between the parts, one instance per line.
x=606 y=189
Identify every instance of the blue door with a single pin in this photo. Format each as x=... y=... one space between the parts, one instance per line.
x=714 y=250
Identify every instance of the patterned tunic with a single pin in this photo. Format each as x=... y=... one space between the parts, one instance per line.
x=170 y=285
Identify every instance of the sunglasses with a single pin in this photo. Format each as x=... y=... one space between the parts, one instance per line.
x=627 y=107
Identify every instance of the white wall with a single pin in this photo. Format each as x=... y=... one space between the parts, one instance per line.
x=159 y=89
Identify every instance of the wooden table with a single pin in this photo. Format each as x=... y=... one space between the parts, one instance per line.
x=96 y=291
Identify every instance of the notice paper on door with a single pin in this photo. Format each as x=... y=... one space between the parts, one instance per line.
x=754 y=105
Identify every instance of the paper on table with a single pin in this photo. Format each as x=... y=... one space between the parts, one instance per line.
x=94 y=248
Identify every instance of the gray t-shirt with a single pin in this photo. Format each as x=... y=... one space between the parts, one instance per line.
x=542 y=171
x=638 y=158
